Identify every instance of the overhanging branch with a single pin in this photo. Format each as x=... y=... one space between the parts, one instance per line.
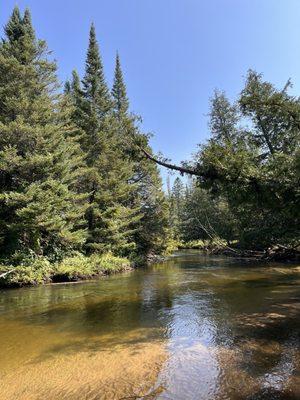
x=174 y=167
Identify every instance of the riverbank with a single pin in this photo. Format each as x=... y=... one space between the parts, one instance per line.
x=71 y=269
x=274 y=253
x=79 y=267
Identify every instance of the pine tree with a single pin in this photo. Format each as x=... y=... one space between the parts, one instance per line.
x=41 y=212
x=27 y=24
x=114 y=203
x=112 y=211
x=14 y=28
x=119 y=94
x=152 y=233
x=176 y=206
x=95 y=88
x=152 y=229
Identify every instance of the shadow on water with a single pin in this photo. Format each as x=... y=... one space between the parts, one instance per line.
x=271 y=394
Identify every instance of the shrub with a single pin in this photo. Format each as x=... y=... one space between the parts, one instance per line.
x=39 y=271
x=72 y=268
x=108 y=263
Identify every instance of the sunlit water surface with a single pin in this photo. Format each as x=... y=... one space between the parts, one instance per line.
x=192 y=327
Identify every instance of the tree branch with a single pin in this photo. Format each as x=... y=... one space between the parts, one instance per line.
x=182 y=170
x=6 y=273
x=265 y=134
x=288 y=83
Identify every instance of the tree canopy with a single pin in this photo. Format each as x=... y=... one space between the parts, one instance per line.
x=70 y=177
x=77 y=174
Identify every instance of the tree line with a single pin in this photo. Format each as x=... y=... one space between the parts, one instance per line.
x=77 y=174
x=71 y=177
x=246 y=177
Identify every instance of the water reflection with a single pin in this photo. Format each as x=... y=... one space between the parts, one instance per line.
x=193 y=327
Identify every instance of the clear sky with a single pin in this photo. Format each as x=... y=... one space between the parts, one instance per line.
x=174 y=53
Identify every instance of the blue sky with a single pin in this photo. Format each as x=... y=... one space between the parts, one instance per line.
x=174 y=53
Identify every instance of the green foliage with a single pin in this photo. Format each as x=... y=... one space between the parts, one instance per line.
x=108 y=263
x=177 y=205
x=95 y=88
x=38 y=271
x=125 y=212
x=40 y=209
x=248 y=185
x=198 y=215
x=252 y=163
x=72 y=268
x=153 y=231
x=70 y=175
x=119 y=93
x=71 y=178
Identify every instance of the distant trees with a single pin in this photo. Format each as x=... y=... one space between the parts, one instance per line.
x=198 y=215
x=249 y=169
x=257 y=168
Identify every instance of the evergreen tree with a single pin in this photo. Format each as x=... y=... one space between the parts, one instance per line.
x=41 y=213
x=223 y=119
x=152 y=230
x=176 y=206
x=95 y=88
x=257 y=172
x=121 y=103
x=27 y=24
x=14 y=29
x=112 y=211
x=64 y=165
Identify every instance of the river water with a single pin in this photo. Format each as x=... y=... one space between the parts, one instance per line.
x=192 y=327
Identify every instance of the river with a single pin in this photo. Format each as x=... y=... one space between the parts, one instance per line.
x=192 y=327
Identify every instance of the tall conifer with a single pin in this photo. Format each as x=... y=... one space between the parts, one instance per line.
x=95 y=88
x=14 y=27
x=41 y=212
x=119 y=93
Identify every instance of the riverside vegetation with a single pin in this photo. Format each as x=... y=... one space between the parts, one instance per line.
x=80 y=191
x=244 y=196
x=76 y=197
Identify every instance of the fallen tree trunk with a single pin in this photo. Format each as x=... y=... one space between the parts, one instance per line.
x=213 y=174
x=282 y=253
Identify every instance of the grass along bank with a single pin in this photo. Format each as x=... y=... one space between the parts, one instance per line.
x=71 y=269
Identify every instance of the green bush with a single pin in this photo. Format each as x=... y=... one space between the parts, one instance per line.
x=39 y=271
x=172 y=245
x=108 y=263
x=203 y=244
x=81 y=267
x=72 y=268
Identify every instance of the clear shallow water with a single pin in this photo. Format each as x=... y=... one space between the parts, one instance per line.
x=193 y=327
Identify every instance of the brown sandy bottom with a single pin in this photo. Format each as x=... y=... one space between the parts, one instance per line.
x=124 y=372
x=60 y=352
x=219 y=373
x=151 y=370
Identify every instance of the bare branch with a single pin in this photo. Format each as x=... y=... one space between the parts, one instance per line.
x=174 y=167
x=6 y=273
x=288 y=83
